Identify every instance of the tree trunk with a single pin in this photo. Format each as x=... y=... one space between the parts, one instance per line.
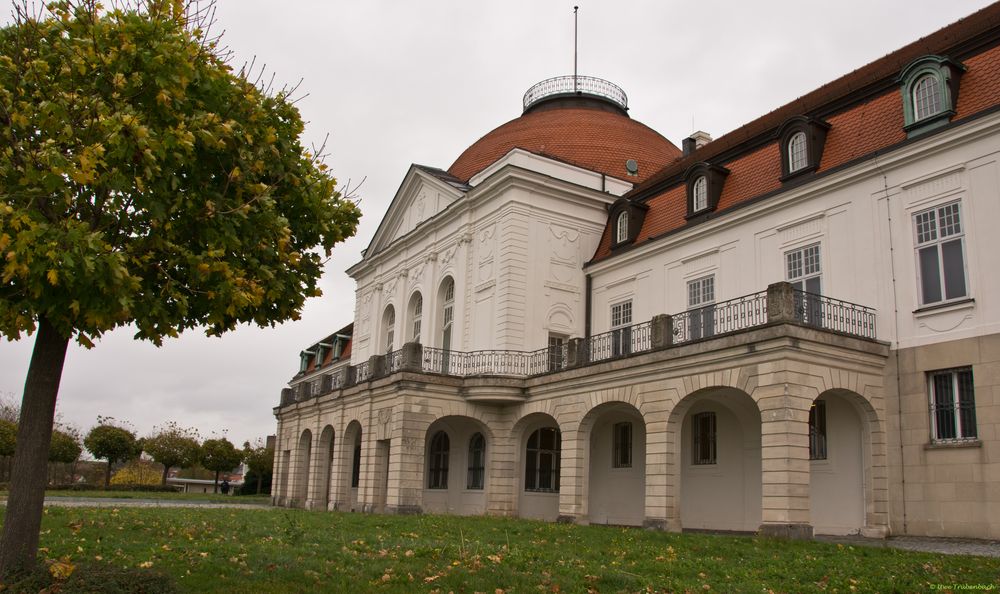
x=215 y=489
x=166 y=469
x=260 y=481
x=23 y=519
x=107 y=474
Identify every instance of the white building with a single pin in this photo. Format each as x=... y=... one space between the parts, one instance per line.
x=831 y=358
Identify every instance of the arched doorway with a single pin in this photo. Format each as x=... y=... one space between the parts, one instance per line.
x=456 y=466
x=837 y=447
x=349 y=467
x=325 y=464
x=719 y=456
x=302 y=470
x=616 y=473
x=539 y=443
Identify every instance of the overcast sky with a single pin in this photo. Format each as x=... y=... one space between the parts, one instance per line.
x=395 y=83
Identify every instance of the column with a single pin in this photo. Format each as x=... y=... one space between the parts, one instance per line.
x=784 y=413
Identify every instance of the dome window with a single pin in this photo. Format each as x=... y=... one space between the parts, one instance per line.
x=626 y=217
x=704 y=187
x=929 y=88
x=801 y=140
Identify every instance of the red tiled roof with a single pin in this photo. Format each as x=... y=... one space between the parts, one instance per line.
x=861 y=129
x=591 y=138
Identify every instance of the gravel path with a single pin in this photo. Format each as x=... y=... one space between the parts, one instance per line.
x=116 y=502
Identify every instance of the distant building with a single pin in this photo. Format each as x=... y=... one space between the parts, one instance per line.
x=794 y=328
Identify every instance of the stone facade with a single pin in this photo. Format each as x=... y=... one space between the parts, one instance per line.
x=763 y=334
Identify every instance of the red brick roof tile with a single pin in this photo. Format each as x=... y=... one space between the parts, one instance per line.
x=861 y=129
x=594 y=139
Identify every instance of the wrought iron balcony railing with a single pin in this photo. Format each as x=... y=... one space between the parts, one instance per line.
x=780 y=303
x=572 y=85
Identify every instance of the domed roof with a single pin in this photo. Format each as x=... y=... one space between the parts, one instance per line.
x=581 y=129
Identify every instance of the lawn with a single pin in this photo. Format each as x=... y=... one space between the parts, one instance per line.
x=278 y=550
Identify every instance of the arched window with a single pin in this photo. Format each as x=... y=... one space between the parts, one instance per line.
x=447 y=312
x=542 y=460
x=797 y=156
x=389 y=323
x=700 y=194
x=926 y=97
x=621 y=228
x=477 y=462
x=438 y=475
x=416 y=316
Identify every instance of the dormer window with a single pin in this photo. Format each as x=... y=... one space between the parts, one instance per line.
x=929 y=87
x=627 y=217
x=926 y=97
x=699 y=195
x=621 y=228
x=704 y=187
x=797 y=158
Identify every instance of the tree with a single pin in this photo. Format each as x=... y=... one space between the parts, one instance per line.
x=65 y=449
x=8 y=437
x=173 y=446
x=260 y=462
x=112 y=443
x=218 y=455
x=142 y=181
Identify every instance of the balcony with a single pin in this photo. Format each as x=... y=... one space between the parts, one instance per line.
x=779 y=304
x=571 y=86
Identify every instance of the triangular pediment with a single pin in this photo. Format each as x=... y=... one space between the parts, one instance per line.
x=424 y=193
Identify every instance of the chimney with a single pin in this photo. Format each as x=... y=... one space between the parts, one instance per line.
x=695 y=142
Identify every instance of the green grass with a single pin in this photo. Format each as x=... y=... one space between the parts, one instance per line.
x=215 y=497
x=277 y=550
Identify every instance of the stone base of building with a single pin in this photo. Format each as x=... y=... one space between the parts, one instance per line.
x=404 y=510
x=791 y=531
x=881 y=532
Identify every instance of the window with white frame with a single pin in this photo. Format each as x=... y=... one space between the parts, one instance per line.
x=542 y=460
x=798 y=158
x=701 y=309
x=927 y=97
x=416 y=316
x=447 y=312
x=817 y=430
x=804 y=272
x=940 y=254
x=621 y=228
x=621 y=452
x=699 y=194
x=389 y=322
x=477 y=462
x=703 y=438
x=438 y=468
x=557 y=352
x=953 y=404
x=621 y=331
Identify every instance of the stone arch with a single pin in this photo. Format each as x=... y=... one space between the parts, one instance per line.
x=560 y=319
x=847 y=486
x=716 y=484
x=458 y=494
x=612 y=440
x=303 y=455
x=535 y=501
x=349 y=466
x=325 y=465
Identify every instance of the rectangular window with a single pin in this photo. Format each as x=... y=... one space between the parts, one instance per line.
x=557 y=352
x=803 y=272
x=703 y=437
x=817 y=431
x=940 y=254
x=621 y=320
x=701 y=307
x=953 y=405
x=622 y=446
